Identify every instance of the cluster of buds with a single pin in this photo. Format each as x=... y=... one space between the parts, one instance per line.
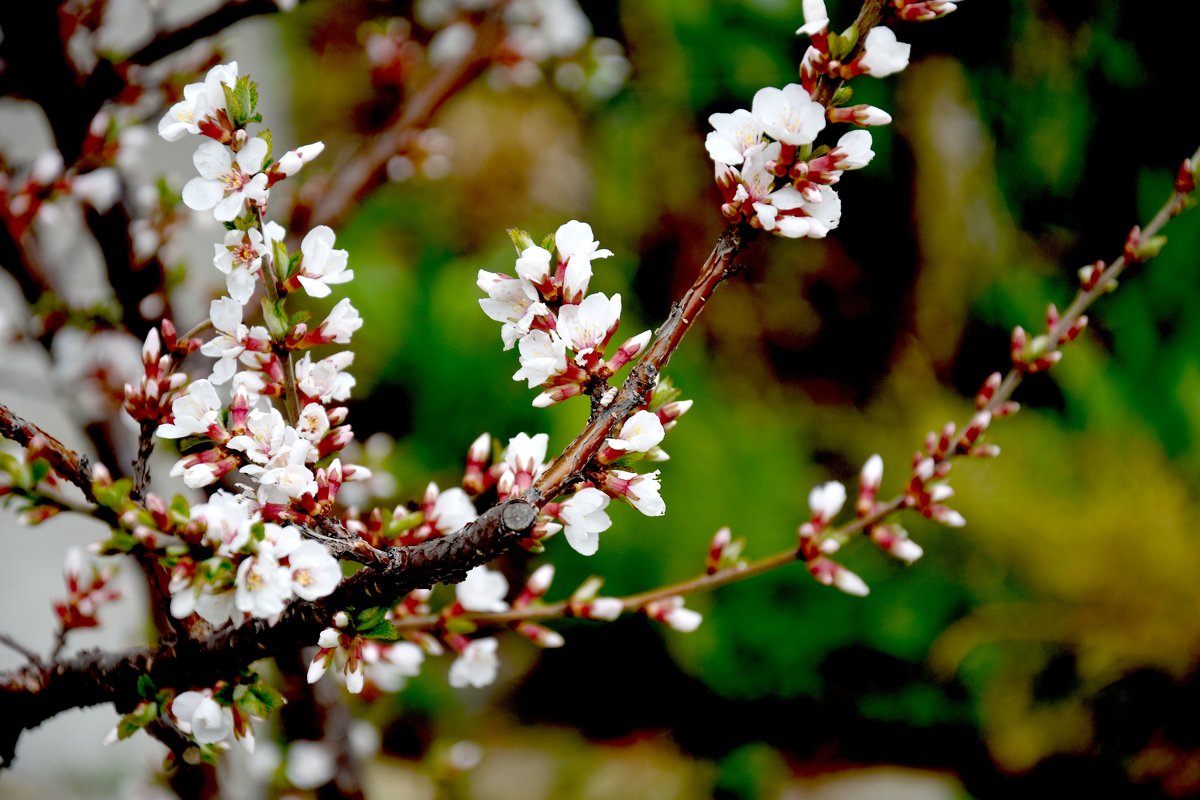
x=816 y=544
x=89 y=586
x=889 y=536
x=924 y=10
x=1041 y=352
x=150 y=400
x=547 y=313
x=342 y=639
x=587 y=603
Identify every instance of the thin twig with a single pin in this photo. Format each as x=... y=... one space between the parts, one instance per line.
x=13 y=644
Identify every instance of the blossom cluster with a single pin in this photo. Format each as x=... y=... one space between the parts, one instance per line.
x=245 y=556
x=770 y=169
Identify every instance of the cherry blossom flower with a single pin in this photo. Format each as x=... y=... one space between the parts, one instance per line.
x=816 y=18
x=321 y=265
x=268 y=438
x=477 y=665
x=263 y=586
x=195 y=413
x=543 y=356
x=201 y=717
x=225 y=183
x=853 y=150
x=342 y=322
x=640 y=432
x=314 y=573
x=233 y=338
x=533 y=265
x=882 y=54
x=788 y=114
x=325 y=380
x=577 y=249
x=587 y=326
x=452 y=510
x=790 y=214
x=240 y=257
x=526 y=454
x=288 y=480
x=510 y=301
x=585 y=519
x=228 y=519
x=732 y=136
x=200 y=101
x=483 y=590
x=642 y=491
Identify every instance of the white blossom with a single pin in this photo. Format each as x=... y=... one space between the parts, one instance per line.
x=314 y=573
x=225 y=183
x=816 y=18
x=228 y=519
x=527 y=453
x=576 y=247
x=452 y=510
x=586 y=326
x=201 y=717
x=643 y=492
x=194 y=413
x=321 y=265
x=533 y=264
x=200 y=100
x=585 y=519
x=640 y=432
x=483 y=590
x=263 y=586
x=313 y=423
x=387 y=665
x=854 y=150
x=510 y=301
x=239 y=257
x=788 y=114
x=231 y=339
x=325 y=380
x=882 y=54
x=477 y=665
x=543 y=355
x=732 y=136
x=343 y=320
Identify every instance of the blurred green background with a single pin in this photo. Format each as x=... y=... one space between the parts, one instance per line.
x=1054 y=638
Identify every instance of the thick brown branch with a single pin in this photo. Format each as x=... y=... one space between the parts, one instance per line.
x=33 y=694
x=166 y=43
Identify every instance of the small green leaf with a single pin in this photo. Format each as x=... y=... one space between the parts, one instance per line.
x=265 y=135
x=233 y=104
x=179 y=511
x=383 y=630
x=279 y=256
x=38 y=470
x=275 y=317
x=368 y=618
x=270 y=697
x=146 y=687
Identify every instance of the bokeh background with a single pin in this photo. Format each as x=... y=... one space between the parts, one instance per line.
x=1048 y=647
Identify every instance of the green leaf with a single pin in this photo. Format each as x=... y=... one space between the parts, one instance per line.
x=191 y=443
x=179 y=511
x=265 y=135
x=233 y=104
x=383 y=630
x=115 y=496
x=280 y=257
x=275 y=317
x=368 y=618
x=146 y=687
x=38 y=470
x=270 y=697
x=461 y=625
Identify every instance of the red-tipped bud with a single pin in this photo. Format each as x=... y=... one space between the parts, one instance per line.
x=716 y=550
